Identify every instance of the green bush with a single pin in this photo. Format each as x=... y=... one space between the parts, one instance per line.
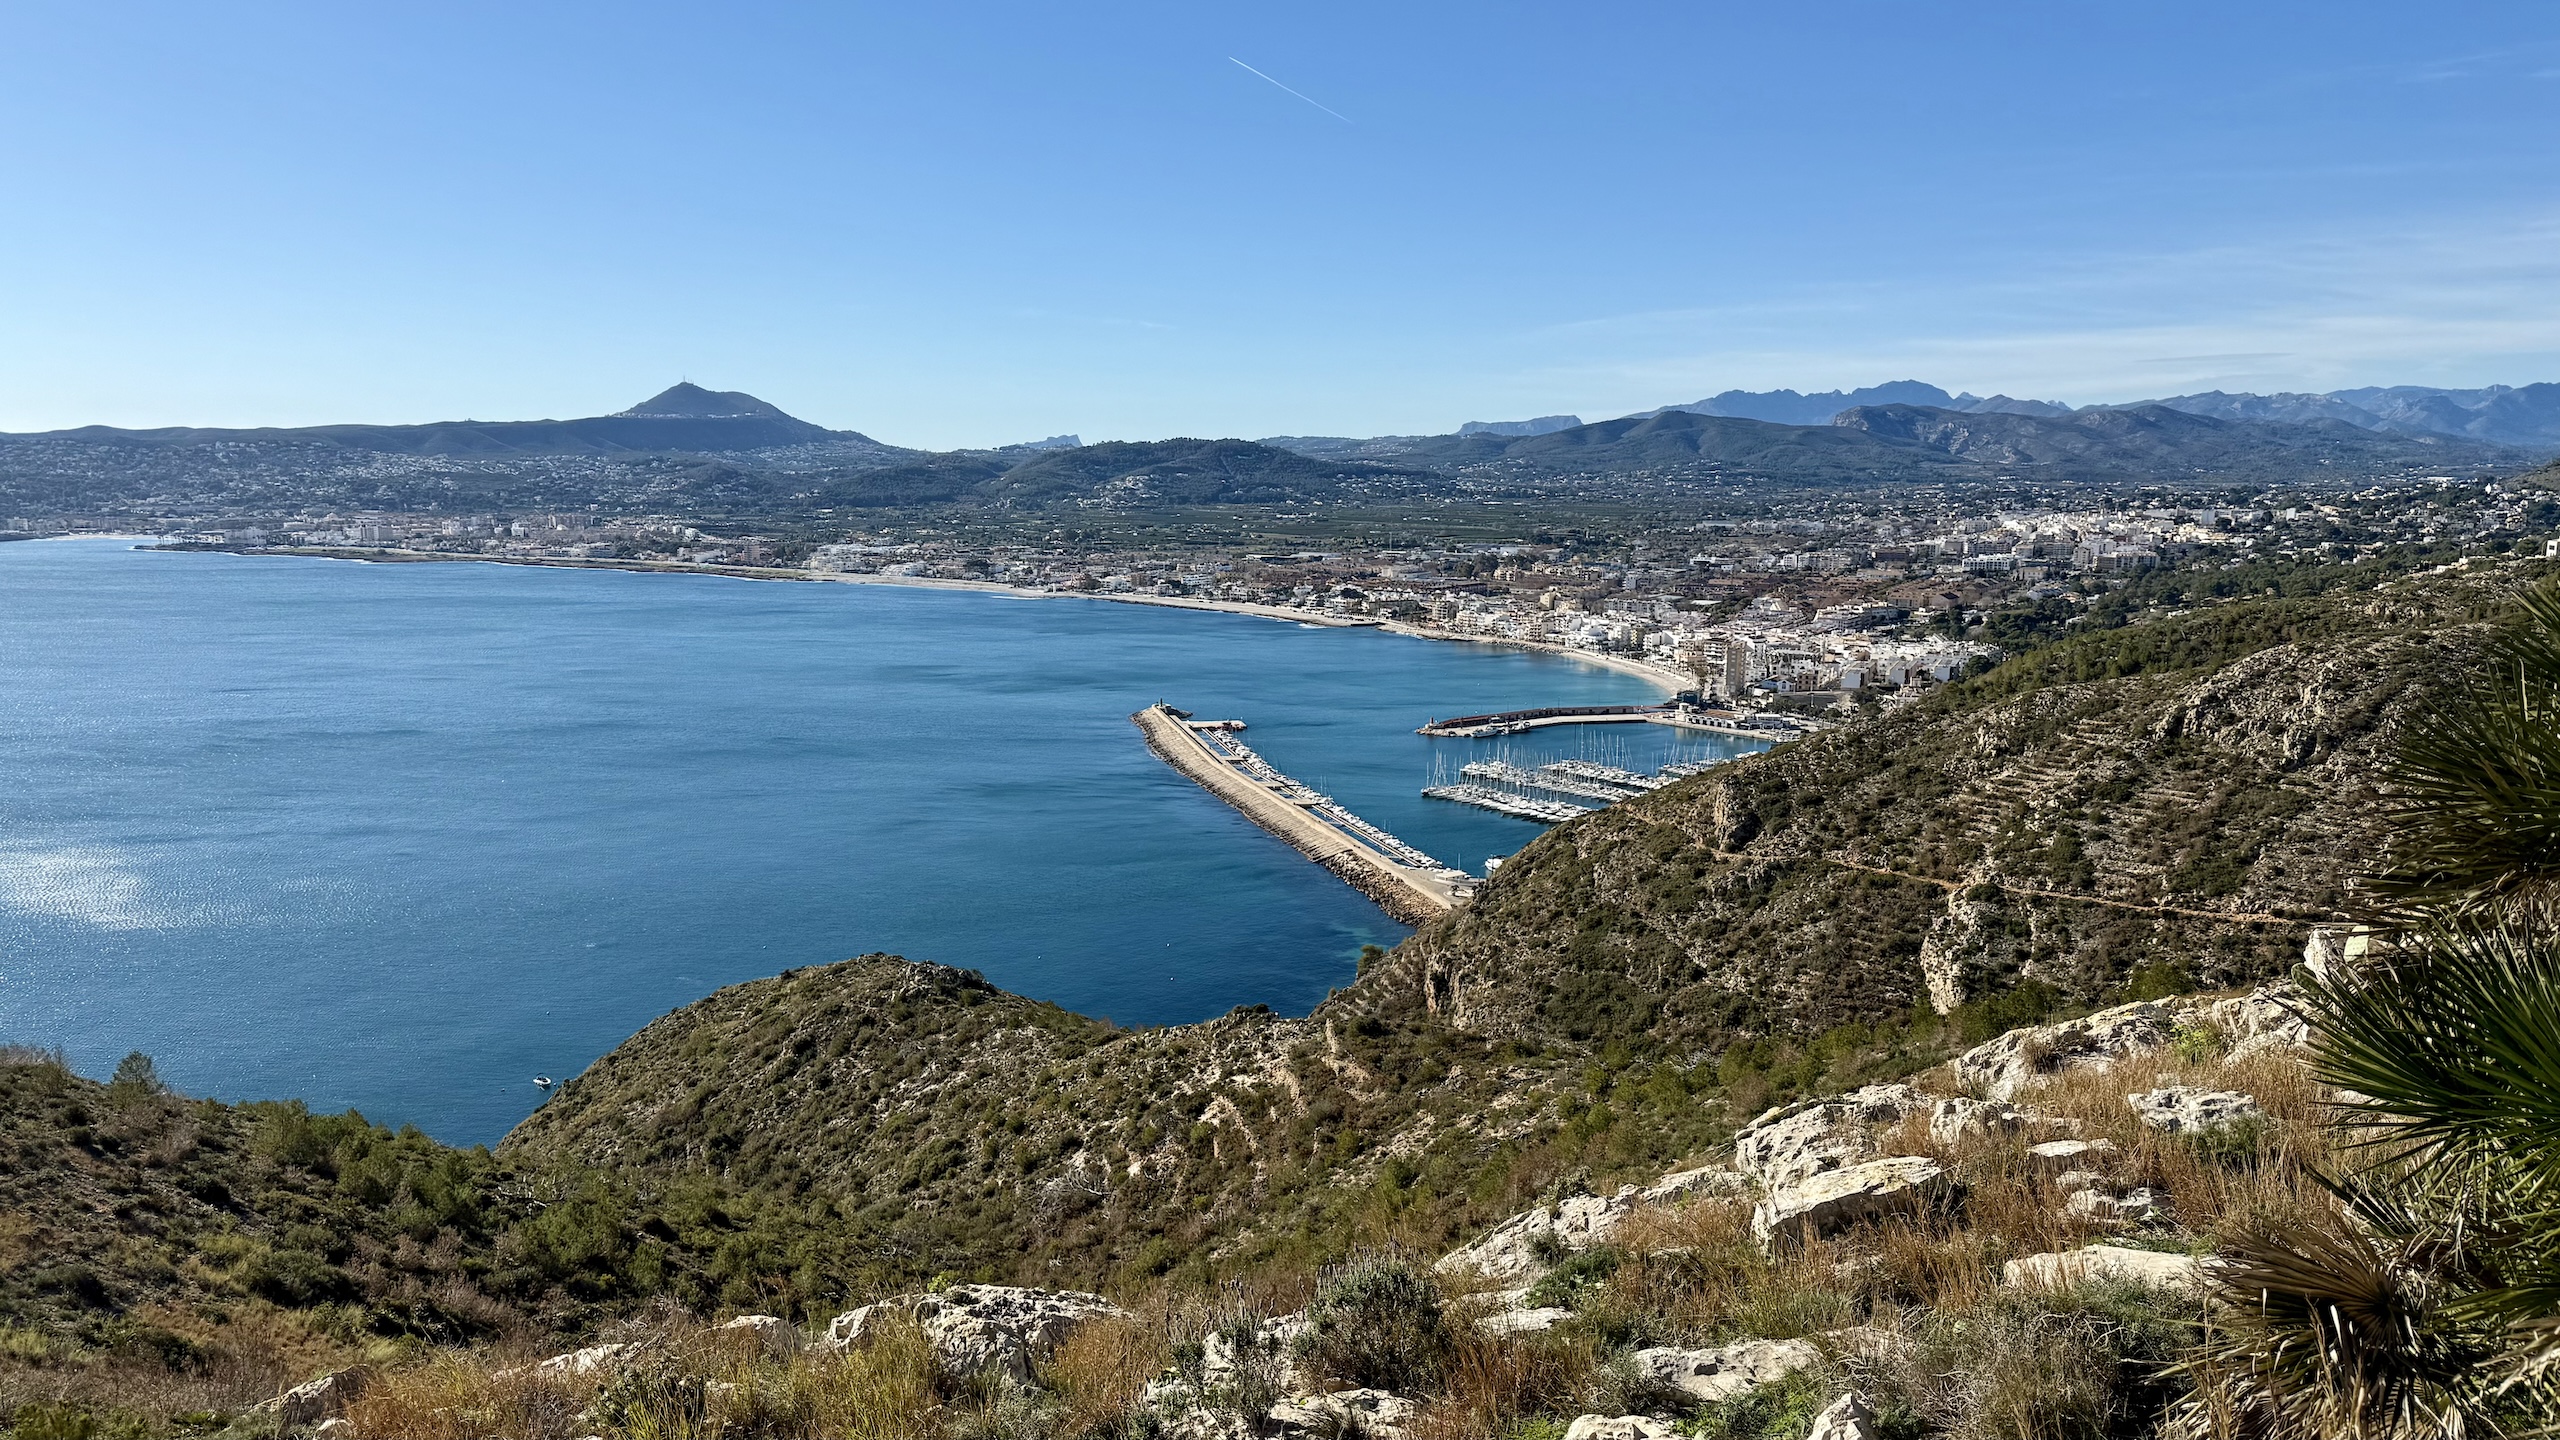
x=1377 y=1322
x=1569 y=1279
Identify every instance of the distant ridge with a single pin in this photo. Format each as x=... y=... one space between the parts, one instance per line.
x=682 y=419
x=2527 y=416
x=1543 y=425
x=2524 y=416
x=1786 y=407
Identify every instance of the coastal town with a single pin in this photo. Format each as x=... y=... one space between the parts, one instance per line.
x=1810 y=606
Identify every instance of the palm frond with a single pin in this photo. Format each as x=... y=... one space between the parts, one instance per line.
x=2474 y=796
x=2453 y=1041
x=2333 y=1328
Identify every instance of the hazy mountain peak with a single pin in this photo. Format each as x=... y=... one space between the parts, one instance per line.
x=1543 y=425
x=1789 y=407
x=2007 y=405
x=688 y=401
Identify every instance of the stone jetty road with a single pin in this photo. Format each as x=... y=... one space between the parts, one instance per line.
x=1411 y=895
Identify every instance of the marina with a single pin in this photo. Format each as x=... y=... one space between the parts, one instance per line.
x=1504 y=802
x=1544 y=778
x=1608 y=774
x=1556 y=790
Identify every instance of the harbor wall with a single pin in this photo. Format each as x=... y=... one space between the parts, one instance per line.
x=1358 y=866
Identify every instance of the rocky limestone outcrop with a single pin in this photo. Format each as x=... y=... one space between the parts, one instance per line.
x=316 y=1401
x=778 y=1338
x=2101 y=1205
x=1530 y=1321
x=1957 y=1119
x=2058 y=1269
x=2268 y=1018
x=1848 y=1418
x=2057 y=1155
x=593 y=1360
x=979 y=1329
x=1835 y=1199
x=1619 y=1427
x=1528 y=1243
x=1999 y=1068
x=1721 y=1373
x=1345 y=1412
x=1793 y=1142
x=2187 y=1110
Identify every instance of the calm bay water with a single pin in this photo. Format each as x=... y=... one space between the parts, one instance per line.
x=403 y=836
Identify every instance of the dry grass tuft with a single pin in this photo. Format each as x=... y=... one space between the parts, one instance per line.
x=466 y=1396
x=2267 y=1172
x=688 y=1383
x=1101 y=1371
x=1490 y=1383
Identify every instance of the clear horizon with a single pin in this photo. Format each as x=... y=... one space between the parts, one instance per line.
x=973 y=227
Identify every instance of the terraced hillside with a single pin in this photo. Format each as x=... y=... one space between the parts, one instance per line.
x=2183 y=794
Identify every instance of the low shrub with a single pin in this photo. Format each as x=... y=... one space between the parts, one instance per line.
x=1377 y=1322
x=1561 y=1285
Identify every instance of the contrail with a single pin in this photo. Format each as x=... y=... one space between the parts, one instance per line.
x=1329 y=110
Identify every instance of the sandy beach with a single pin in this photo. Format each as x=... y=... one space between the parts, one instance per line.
x=1670 y=681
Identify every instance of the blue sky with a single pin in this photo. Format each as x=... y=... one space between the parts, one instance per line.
x=970 y=224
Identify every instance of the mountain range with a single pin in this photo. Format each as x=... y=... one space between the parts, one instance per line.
x=1905 y=442
x=2527 y=417
x=694 y=451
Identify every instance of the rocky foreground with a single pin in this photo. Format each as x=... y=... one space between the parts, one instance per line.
x=2013 y=1239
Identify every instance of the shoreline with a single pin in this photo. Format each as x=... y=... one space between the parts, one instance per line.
x=1670 y=682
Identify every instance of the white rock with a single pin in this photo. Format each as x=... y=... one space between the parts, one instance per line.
x=2138 y=1206
x=1832 y=1200
x=1847 y=1418
x=1524 y=1322
x=1621 y=1427
x=777 y=1337
x=978 y=1329
x=2068 y=1154
x=2072 y=1182
x=1954 y=1121
x=1683 y=1184
x=2000 y=1068
x=2185 y=1110
x=2062 y=1268
x=1357 y=1412
x=1513 y=1250
x=1727 y=1370
x=316 y=1400
x=1792 y=1142
x=592 y=1360
x=2269 y=1018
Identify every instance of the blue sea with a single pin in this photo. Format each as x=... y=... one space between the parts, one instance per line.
x=402 y=837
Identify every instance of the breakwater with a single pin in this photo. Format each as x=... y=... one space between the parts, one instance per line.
x=1513 y=722
x=1405 y=882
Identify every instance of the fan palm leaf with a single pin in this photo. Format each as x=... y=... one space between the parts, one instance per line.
x=2474 y=796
